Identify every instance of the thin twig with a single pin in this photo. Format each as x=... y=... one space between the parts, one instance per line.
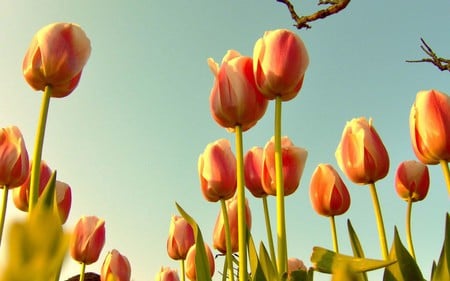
x=302 y=21
x=441 y=63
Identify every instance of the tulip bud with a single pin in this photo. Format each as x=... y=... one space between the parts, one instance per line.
x=63 y=200
x=295 y=264
x=14 y=164
x=88 y=239
x=217 y=171
x=253 y=163
x=167 y=274
x=116 y=267
x=219 y=238
x=293 y=158
x=328 y=193
x=361 y=154
x=280 y=60
x=56 y=57
x=191 y=272
x=429 y=124
x=412 y=180
x=181 y=238
x=235 y=99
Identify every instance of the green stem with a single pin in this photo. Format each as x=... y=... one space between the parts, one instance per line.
x=229 y=253
x=408 y=228
x=446 y=171
x=3 y=210
x=83 y=268
x=183 y=274
x=380 y=224
x=281 y=224
x=242 y=225
x=269 y=231
x=334 y=234
x=37 y=153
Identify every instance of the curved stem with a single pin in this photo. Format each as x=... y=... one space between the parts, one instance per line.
x=380 y=223
x=408 y=228
x=226 y=223
x=83 y=268
x=334 y=234
x=37 y=153
x=269 y=231
x=3 y=210
x=242 y=225
x=183 y=274
x=446 y=172
x=281 y=224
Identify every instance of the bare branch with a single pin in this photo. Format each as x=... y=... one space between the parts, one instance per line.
x=441 y=63
x=302 y=21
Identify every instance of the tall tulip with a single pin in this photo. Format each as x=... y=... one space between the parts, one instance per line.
x=280 y=61
x=181 y=238
x=116 y=267
x=14 y=163
x=235 y=100
x=167 y=274
x=217 y=171
x=88 y=239
x=191 y=271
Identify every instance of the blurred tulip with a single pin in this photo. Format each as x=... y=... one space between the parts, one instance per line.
x=191 y=272
x=167 y=274
x=293 y=159
x=280 y=60
x=412 y=180
x=235 y=99
x=56 y=57
x=88 y=239
x=328 y=194
x=295 y=264
x=14 y=163
x=219 y=238
x=116 y=267
x=429 y=124
x=253 y=163
x=63 y=200
x=361 y=154
x=181 y=238
x=217 y=171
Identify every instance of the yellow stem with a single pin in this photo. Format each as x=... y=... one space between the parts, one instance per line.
x=380 y=223
x=408 y=228
x=334 y=234
x=269 y=231
x=229 y=253
x=446 y=171
x=3 y=210
x=183 y=274
x=83 y=269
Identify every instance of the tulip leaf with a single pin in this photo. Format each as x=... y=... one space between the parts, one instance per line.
x=324 y=260
x=344 y=271
x=356 y=248
x=405 y=268
x=441 y=270
x=48 y=195
x=255 y=266
x=266 y=264
x=201 y=260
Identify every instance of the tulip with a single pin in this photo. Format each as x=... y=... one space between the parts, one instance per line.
x=63 y=200
x=412 y=180
x=253 y=163
x=181 y=238
x=429 y=124
x=328 y=193
x=191 y=272
x=235 y=100
x=217 y=171
x=116 y=267
x=167 y=274
x=361 y=154
x=293 y=159
x=295 y=264
x=14 y=163
x=219 y=239
x=56 y=57
x=280 y=60
x=87 y=239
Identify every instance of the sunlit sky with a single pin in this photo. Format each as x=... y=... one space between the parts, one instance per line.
x=128 y=138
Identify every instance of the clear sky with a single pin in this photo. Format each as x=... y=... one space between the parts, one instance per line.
x=128 y=138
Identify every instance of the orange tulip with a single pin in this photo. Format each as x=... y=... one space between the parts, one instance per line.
x=280 y=60
x=412 y=180
x=63 y=200
x=235 y=99
x=429 y=124
x=181 y=238
x=219 y=239
x=361 y=154
x=88 y=239
x=14 y=163
x=293 y=159
x=253 y=163
x=116 y=267
x=328 y=194
x=167 y=274
x=56 y=57
x=191 y=272
x=217 y=171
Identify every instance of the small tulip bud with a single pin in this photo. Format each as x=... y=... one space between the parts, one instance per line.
x=88 y=239
x=412 y=180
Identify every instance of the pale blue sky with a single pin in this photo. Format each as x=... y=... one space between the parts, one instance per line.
x=128 y=139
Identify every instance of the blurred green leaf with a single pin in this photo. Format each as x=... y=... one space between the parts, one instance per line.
x=405 y=269
x=356 y=248
x=441 y=270
x=298 y=275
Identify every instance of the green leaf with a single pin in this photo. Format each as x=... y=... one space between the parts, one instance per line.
x=405 y=269
x=257 y=273
x=266 y=264
x=442 y=269
x=298 y=275
x=356 y=248
x=344 y=272
x=48 y=195
x=324 y=260
x=201 y=260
